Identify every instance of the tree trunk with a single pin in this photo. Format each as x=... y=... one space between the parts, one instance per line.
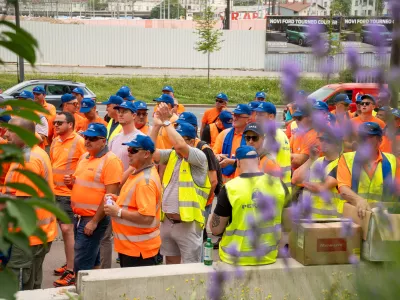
x=395 y=65
x=208 y=68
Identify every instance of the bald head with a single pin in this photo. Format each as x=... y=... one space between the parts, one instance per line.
x=23 y=123
x=249 y=165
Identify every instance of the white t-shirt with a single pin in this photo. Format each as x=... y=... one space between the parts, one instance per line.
x=42 y=127
x=120 y=150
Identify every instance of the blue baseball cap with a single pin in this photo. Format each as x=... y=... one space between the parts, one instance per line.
x=245 y=152
x=141 y=105
x=5 y=118
x=255 y=127
x=187 y=117
x=125 y=93
x=368 y=96
x=302 y=93
x=226 y=118
x=114 y=100
x=67 y=98
x=242 y=109
x=127 y=105
x=260 y=95
x=39 y=90
x=222 y=96
x=254 y=104
x=96 y=129
x=396 y=112
x=185 y=129
x=267 y=107
x=165 y=98
x=168 y=88
x=384 y=108
x=370 y=128
x=300 y=113
x=342 y=98
x=86 y=105
x=141 y=142
x=26 y=95
x=78 y=90
x=321 y=105
x=358 y=98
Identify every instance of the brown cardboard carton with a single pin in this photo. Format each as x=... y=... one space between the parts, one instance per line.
x=320 y=242
x=378 y=235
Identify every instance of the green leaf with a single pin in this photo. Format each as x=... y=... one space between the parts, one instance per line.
x=51 y=207
x=25 y=114
x=23 y=187
x=4 y=245
x=27 y=136
x=29 y=105
x=39 y=182
x=11 y=153
x=9 y=284
x=21 y=241
x=25 y=215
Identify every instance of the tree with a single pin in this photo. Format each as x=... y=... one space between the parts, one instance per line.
x=209 y=38
x=379 y=6
x=341 y=7
x=176 y=10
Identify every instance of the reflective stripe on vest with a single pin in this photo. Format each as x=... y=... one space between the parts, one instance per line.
x=72 y=149
x=240 y=192
x=192 y=198
x=137 y=238
x=45 y=221
x=372 y=189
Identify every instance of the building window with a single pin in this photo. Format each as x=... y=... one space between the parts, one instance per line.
x=325 y=13
x=371 y=2
x=356 y=13
x=147 y=8
x=369 y=12
x=325 y=4
x=356 y=3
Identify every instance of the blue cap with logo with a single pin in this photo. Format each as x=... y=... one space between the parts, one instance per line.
x=79 y=91
x=368 y=96
x=185 y=129
x=168 y=88
x=358 y=98
x=141 y=105
x=26 y=95
x=300 y=113
x=245 y=152
x=222 y=96
x=370 y=128
x=261 y=95
x=96 y=129
x=321 y=105
x=342 y=98
x=141 y=142
x=39 y=90
x=67 y=98
x=255 y=127
x=166 y=99
x=125 y=93
x=396 y=112
x=86 y=105
x=187 y=117
x=226 y=118
x=114 y=100
x=127 y=105
x=242 y=109
x=267 y=107
x=254 y=104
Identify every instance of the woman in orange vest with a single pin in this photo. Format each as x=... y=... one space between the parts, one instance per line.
x=136 y=213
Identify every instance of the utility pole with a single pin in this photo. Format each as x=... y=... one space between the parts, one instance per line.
x=21 y=73
x=126 y=13
x=228 y=15
x=169 y=7
x=133 y=9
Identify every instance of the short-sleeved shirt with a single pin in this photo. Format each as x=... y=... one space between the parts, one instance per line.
x=210 y=115
x=198 y=166
x=98 y=119
x=301 y=142
x=120 y=150
x=42 y=127
x=357 y=121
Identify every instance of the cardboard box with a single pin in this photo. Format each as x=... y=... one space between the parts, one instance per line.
x=378 y=235
x=320 y=242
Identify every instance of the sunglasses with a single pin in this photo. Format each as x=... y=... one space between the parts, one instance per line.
x=142 y=114
x=255 y=138
x=132 y=150
x=365 y=103
x=219 y=101
x=93 y=138
x=58 y=123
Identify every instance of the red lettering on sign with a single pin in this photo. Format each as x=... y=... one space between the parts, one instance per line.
x=246 y=16
x=331 y=245
x=255 y=15
x=235 y=16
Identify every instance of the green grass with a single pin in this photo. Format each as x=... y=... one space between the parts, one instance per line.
x=187 y=90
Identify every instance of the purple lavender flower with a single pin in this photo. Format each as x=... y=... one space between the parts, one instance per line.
x=315 y=38
x=261 y=250
x=354 y=260
x=353 y=58
x=326 y=196
x=239 y=272
x=328 y=67
x=394 y=8
x=289 y=81
x=215 y=285
x=232 y=250
x=384 y=96
x=318 y=171
x=347 y=228
x=320 y=122
x=306 y=206
x=284 y=254
x=266 y=206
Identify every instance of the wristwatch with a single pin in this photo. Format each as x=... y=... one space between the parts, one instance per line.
x=166 y=123
x=119 y=215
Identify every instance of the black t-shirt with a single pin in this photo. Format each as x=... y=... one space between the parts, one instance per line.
x=224 y=207
x=212 y=162
x=206 y=134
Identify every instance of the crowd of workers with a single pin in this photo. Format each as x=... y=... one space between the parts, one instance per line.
x=148 y=189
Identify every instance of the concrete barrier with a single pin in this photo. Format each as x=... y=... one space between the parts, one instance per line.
x=48 y=294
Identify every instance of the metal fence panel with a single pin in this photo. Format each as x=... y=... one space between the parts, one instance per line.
x=73 y=44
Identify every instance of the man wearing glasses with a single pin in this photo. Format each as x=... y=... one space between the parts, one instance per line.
x=141 y=121
x=64 y=163
x=70 y=104
x=97 y=174
x=211 y=115
x=367 y=106
x=137 y=211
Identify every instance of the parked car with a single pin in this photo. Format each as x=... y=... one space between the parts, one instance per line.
x=328 y=92
x=54 y=89
x=367 y=35
x=297 y=34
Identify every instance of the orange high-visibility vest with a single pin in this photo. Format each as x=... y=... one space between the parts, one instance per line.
x=213 y=133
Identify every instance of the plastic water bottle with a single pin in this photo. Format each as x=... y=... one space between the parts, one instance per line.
x=109 y=200
x=208 y=252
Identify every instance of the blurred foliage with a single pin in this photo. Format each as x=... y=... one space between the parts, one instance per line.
x=341 y=7
x=346 y=76
x=176 y=10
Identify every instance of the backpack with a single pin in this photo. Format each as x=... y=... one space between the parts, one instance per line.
x=201 y=146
